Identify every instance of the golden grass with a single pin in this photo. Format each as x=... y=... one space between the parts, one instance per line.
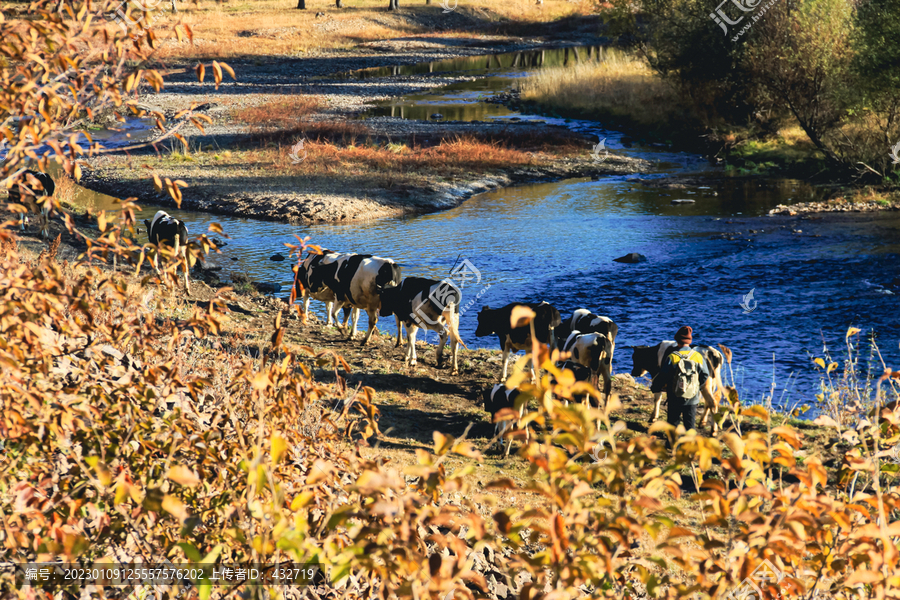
x=618 y=86
x=281 y=113
x=275 y=28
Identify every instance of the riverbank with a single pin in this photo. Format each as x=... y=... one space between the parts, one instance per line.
x=622 y=92
x=297 y=155
x=413 y=402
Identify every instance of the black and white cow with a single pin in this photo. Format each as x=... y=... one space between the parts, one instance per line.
x=357 y=280
x=649 y=359
x=497 y=322
x=585 y=321
x=580 y=372
x=496 y=399
x=591 y=350
x=31 y=186
x=419 y=302
x=310 y=284
x=166 y=230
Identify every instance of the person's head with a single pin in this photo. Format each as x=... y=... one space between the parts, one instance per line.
x=684 y=336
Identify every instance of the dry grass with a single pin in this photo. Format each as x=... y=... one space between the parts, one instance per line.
x=618 y=86
x=269 y=28
x=281 y=113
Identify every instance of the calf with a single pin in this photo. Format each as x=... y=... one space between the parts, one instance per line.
x=586 y=322
x=497 y=321
x=649 y=359
x=591 y=350
x=496 y=399
x=419 y=302
x=166 y=230
x=357 y=280
x=309 y=283
x=30 y=187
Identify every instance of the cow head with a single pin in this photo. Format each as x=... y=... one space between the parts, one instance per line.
x=644 y=360
x=147 y=223
x=487 y=322
x=390 y=298
x=388 y=276
x=546 y=319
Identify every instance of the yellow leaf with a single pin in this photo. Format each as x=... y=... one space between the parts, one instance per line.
x=302 y=499
x=832 y=367
x=853 y=331
x=279 y=447
x=755 y=411
x=183 y=476
x=175 y=507
x=521 y=316
x=819 y=362
x=260 y=381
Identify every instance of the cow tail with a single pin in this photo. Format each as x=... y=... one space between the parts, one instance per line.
x=450 y=316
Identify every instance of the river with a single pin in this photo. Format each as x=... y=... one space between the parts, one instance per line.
x=811 y=279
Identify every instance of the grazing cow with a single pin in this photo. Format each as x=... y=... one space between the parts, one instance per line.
x=310 y=284
x=166 y=230
x=497 y=321
x=31 y=186
x=591 y=350
x=357 y=280
x=419 y=302
x=586 y=322
x=496 y=399
x=649 y=359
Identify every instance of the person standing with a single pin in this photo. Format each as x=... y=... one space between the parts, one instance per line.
x=682 y=375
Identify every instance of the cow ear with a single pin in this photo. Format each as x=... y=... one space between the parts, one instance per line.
x=485 y=307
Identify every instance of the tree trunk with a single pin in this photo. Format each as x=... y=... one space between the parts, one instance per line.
x=301 y=4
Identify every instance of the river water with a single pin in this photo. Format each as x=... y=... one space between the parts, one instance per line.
x=811 y=279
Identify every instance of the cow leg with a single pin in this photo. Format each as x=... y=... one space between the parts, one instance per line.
x=411 y=333
x=400 y=332
x=156 y=260
x=354 y=319
x=454 y=355
x=657 y=400
x=712 y=405
x=182 y=251
x=22 y=221
x=45 y=222
x=505 y=362
x=442 y=341
x=373 y=321
x=605 y=370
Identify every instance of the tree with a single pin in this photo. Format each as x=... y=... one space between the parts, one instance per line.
x=799 y=57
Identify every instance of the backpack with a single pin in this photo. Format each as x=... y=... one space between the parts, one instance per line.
x=687 y=376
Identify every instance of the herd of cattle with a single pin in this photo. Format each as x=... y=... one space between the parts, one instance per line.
x=355 y=282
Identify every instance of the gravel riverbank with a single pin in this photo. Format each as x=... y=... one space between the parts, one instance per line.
x=243 y=184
